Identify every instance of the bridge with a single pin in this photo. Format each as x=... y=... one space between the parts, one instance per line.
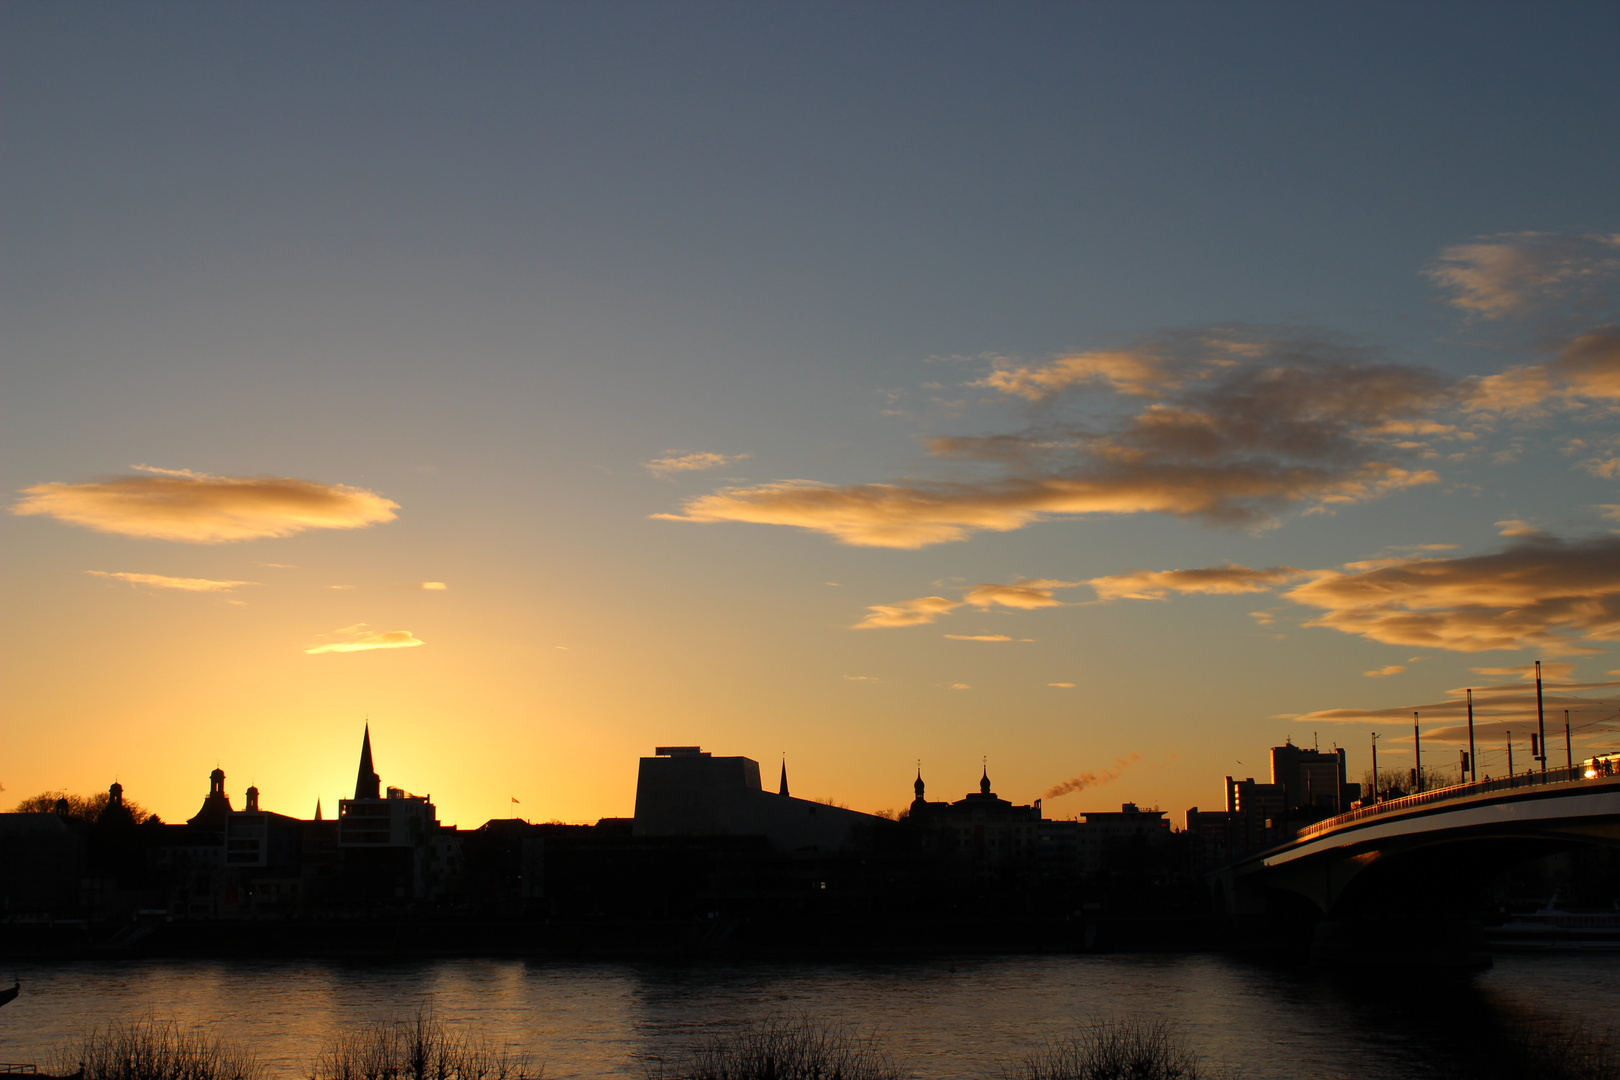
x=1427 y=852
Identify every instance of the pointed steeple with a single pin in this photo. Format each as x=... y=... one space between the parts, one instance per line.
x=918 y=786
x=367 y=785
x=317 y=808
x=984 y=781
x=784 y=790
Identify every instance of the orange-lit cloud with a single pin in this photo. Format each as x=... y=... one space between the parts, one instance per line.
x=985 y=637
x=1027 y=594
x=361 y=638
x=675 y=461
x=919 y=612
x=1226 y=428
x=176 y=504
x=1219 y=580
x=1542 y=592
x=1385 y=672
x=1510 y=704
x=1140 y=374
x=1587 y=365
x=1567 y=287
x=1520 y=274
x=1091 y=779
x=433 y=586
x=1062 y=685
x=1527 y=671
x=184 y=584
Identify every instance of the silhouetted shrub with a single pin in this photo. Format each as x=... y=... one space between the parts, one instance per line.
x=1116 y=1050
x=783 y=1049
x=419 y=1049
x=84 y=808
x=156 y=1050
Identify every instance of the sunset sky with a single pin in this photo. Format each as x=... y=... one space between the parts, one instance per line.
x=1107 y=390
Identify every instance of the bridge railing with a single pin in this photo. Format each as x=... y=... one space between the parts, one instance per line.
x=1455 y=791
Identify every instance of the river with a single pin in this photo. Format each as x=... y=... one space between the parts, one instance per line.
x=949 y=1019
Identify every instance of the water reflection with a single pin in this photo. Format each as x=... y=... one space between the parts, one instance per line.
x=951 y=1020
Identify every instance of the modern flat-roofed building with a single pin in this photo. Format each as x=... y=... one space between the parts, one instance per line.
x=686 y=791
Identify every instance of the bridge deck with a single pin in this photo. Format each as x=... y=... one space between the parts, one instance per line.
x=1395 y=816
x=1573 y=775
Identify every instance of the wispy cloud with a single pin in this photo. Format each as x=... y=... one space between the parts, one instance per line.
x=1028 y=594
x=1385 y=672
x=1219 y=580
x=361 y=638
x=985 y=637
x=161 y=581
x=433 y=586
x=863 y=678
x=177 y=504
x=1091 y=779
x=676 y=461
x=1062 y=685
x=1541 y=592
x=1585 y=366
x=1566 y=289
x=1139 y=374
x=1520 y=274
x=1510 y=703
x=919 y=612
x=1227 y=426
x=1527 y=672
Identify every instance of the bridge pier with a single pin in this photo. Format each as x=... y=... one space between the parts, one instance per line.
x=1401 y=945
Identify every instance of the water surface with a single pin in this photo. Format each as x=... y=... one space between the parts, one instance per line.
x=949 y=1019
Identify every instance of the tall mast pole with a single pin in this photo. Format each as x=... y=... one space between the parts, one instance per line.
x=1375 y=767
x=1417 y=750
x=1541 y=723
x=1569 y=747
x=1473 y=761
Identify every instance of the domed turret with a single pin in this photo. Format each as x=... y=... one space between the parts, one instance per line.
x=217 y=806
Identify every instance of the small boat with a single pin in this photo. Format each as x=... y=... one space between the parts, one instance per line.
x=1554 y=930
x=7 y=994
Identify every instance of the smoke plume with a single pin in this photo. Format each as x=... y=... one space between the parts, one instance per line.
x=1092 y=779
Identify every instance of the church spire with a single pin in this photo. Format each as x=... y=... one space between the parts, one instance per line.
x=317 y=808
x=918 y=786
x=784 y=790
x=367 y=785
x=984 y=781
